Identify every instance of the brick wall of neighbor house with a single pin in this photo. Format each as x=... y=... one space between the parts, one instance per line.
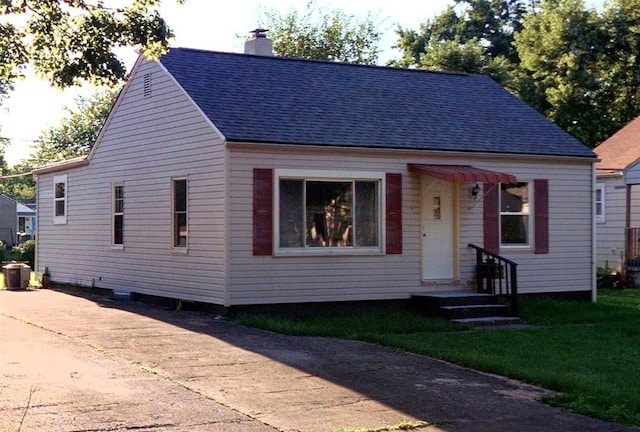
x=269 y=279
x=143 y=145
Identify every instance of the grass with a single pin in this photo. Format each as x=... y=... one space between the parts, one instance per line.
x=588 y=353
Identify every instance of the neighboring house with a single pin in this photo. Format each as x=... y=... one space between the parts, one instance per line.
x=17 y=221
x=617 y=201
x=8 y=220
x=238 y=179
x=26 y=228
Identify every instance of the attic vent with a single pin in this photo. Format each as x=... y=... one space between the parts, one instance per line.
x=146 y=87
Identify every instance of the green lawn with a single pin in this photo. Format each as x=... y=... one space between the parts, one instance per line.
x=588 y=353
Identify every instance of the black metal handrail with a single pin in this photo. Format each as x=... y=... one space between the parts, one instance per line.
x=497 y=275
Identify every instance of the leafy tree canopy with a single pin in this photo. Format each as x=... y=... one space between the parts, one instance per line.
x=19 y=183
x=324 y=35
x=77 y=131
x=578 y=66
x=71 y=40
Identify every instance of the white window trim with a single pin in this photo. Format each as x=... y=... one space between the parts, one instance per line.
x=327 y=175
x=600 y=218
x=115 y=246
x=60 y=220
x=530 y=214
x=174 y=248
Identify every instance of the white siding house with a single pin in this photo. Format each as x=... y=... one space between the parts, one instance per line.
x=237 y=179
x=617 y=212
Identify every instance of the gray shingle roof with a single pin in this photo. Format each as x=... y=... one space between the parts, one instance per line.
x=294 y=101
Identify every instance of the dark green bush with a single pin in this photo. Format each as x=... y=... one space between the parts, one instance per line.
x=27 y=252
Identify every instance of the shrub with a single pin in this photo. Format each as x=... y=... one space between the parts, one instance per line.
x=27 y=252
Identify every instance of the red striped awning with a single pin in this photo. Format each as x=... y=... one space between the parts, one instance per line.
x=462 y=173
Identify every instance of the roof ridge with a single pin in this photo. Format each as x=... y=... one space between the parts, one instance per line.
x=331 y=62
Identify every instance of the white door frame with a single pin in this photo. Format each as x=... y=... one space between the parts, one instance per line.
x=452 y=230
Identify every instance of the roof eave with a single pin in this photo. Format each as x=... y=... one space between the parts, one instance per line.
x=63 y=165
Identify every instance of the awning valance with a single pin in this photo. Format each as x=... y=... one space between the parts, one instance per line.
x=462 y=173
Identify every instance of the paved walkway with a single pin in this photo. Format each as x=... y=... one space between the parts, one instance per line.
x=82 y=363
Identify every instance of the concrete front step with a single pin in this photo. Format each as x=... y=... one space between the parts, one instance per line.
x=474 y=311
x=497 y=320
x=455 y=298
x=462 y=305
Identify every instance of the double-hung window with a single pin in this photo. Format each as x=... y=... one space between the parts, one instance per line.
x=600 y=203
x=180 y=213
x=515 y=214
x=118 y=215
x=60 y=199
x=325 y=212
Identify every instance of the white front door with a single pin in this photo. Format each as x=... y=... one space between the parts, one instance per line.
x=438 y=229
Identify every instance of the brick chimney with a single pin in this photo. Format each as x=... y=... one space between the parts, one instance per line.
x=259 y=44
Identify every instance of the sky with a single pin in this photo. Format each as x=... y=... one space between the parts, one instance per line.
x=35 y=106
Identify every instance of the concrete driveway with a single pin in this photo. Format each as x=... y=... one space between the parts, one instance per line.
x=84 y=363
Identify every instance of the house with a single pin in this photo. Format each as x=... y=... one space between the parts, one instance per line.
x=26 y=228
x=8 y=220
x=617 y=200
x=17 y=221
x=237 y=179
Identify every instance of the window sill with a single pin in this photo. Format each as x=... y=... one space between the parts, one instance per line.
x=326 y=252
x=180 y=251
x=117 y=248
x=505 y=248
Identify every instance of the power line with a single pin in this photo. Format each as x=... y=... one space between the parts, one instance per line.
x=16 y=175
x=27 y=140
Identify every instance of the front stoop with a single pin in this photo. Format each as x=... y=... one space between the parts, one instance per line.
x=465 y=307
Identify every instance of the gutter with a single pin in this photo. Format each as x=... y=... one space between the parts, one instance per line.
x=61 y=166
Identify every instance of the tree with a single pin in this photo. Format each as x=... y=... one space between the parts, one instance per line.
x=19 y=182
x=579 y=67
x=77 y=131
x=474 y=36
x=562 y=47
x=323 y=35
x=71 y=40
x=621 y=60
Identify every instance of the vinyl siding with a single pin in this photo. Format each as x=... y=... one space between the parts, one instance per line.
x=145 y=143
x=267 y=279
x=611 y=233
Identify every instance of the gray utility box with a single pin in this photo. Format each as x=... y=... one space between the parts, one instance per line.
x=16 y=275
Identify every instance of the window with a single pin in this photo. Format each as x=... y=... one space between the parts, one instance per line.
x=180 y=217
x=515 y=214
x=600 y=203
x=60 y=199
x=118 y=215
x=324 y=213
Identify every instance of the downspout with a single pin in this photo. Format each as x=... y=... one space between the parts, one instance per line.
x=594 y=286
x=627 y=226
x=36 y=259
x=227 y=231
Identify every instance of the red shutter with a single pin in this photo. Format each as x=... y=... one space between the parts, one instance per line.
x=491 y=216
x=394 y=213
x=262 y=211
x=541 y=215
